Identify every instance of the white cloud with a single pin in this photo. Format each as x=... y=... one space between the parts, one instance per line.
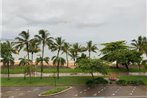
x=78 y=20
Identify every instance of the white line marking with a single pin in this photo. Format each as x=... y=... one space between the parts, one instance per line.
x=76 y=95
x=94 y=94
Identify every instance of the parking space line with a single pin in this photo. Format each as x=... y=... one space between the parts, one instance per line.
x=132 y=91
x=116 y=91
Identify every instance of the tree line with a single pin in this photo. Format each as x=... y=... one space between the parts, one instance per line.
x=117 y=51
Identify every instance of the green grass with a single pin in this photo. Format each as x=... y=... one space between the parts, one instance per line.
x=36 y=81
x=129 y=78
x=19 y=69
x=54 y=90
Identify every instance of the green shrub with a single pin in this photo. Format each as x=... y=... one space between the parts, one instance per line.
x=136 y=82
x=90 y=82
x=122 y=82
x=100 y=80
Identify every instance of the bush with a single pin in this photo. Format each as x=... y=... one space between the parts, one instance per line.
x=136 y=82
x=100 y=80
x=122 y=82
x=90 y=82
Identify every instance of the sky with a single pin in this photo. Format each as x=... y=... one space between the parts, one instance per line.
x=76 y=20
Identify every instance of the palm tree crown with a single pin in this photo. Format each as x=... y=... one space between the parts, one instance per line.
x=91 y=48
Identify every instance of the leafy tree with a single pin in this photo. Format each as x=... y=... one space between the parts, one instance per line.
x=44 y=39
x=91 y=48
x=110 y=49
x=23 y=41
x=127 y=57
x=58 y=61
x=92 y=65
x=65 y=49
x=8 y=60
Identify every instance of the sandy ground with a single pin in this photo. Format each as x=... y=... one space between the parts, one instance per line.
x=71 y=64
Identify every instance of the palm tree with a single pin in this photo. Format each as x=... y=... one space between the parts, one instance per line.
x=40 y=60
x=91 y=48
x=45 y=39
x=24 y=62
x=74 y=50
x=33 y=47
x=58 y=61
x=73 y=55
x=58 y=45
x=8 y=60
x=65 y=49
x=23 y=41
x=7 y=48
x=139 y=43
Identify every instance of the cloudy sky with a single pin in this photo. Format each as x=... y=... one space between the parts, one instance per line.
x=76 y=20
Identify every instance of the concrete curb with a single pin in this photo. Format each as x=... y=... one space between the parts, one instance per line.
x=55 y=93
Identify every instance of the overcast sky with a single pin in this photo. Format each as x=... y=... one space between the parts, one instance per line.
x=76 y=20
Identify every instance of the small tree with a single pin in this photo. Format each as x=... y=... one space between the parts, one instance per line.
x=8 y=60
x=58 y=61
x=92 y=65
x=25 y=63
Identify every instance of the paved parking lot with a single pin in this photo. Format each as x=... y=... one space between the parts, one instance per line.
x=101 y=91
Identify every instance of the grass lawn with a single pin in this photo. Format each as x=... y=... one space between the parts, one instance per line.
x=19 y=69
x=54 y=90
x=67 y=81
x=129 y=78
x=36 y=81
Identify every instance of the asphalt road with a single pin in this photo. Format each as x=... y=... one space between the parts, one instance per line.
x=101 y=91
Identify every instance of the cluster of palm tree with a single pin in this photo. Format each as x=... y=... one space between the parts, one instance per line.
x=58 y=44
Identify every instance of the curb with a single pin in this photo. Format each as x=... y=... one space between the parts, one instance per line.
x=56 y=93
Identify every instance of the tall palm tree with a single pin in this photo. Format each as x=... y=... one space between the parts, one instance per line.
x=73 y=55
x=23 y=41
x=44 y=39
x=58 y=61
x=9 y=60
x=91 y=48
x=33 y=47
x=7 y=48
x=74 y=50
x=58 y=45
x=65 y=49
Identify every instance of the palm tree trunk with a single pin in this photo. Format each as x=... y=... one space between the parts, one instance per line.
x=67 y=60
x=58 y=65
x=28 y=52
x=8 y=71
x=32 y=56
x=42 y=60
x=89 y=54
x=58 y=70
